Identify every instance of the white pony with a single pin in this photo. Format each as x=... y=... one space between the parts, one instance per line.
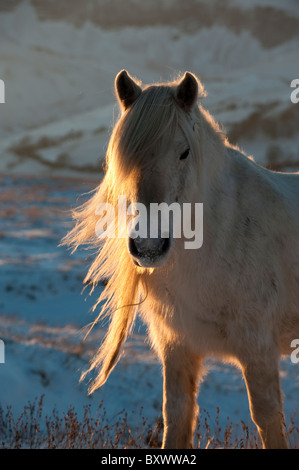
x=236 y=297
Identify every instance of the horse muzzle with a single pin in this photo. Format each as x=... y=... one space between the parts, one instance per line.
x=149 y=252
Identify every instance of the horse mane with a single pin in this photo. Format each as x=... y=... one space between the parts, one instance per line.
x=139 y=136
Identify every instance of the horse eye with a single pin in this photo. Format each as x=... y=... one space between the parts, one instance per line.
x=185 y=154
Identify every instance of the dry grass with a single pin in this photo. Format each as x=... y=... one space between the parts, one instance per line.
x=34 y=430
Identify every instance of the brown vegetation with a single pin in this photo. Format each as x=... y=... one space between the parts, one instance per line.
x=32 y=429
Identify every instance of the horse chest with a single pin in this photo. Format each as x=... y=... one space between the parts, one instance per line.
x=203 y=334
x=206 y=327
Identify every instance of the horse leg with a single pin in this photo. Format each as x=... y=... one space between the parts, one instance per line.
x=180 y=386
x=264 y=393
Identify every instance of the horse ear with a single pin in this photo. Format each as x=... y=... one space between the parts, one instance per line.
x=127 y=89
x=186 y=93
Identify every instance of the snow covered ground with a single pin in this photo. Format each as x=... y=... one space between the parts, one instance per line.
x=58 y=71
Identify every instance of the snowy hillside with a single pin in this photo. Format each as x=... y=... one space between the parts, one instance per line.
x=60 y=66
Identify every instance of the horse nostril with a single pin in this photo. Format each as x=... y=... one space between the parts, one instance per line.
x=132 y=246
x=151 y=247
x=165 y=244
x=138 y=241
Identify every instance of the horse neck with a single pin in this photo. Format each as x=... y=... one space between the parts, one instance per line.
x=213 y=152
